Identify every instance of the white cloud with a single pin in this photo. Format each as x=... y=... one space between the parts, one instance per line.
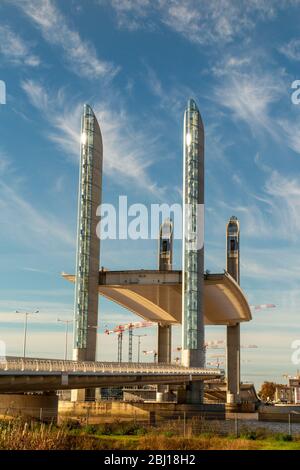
x=21 y=221
x=291 y=50
x=202 y=22
x=172 y=98
x=130 y=14
x=285 y=193
x=78 y=53
x=250 y=96
x=4 y=162
x=271 y=211
x=15 y=50
x=127 y=150
x=292 y=131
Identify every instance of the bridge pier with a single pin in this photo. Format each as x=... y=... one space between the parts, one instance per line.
x=233 y=332
x=40 y=406
x=164 y=339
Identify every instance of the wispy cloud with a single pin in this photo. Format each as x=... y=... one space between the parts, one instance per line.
x=292 y=131
x=80 y=54
x=128 y=151
x=172 y=98
x=291 y=50
x=285 y=193
x=130 y=14
x=272 y=212
x=201 y=22
x=4 y=162
x=23 y=222
x=15 y=49
x=250 y=96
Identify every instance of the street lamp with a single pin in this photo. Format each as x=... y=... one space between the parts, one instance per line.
x=67 y=322
x=25 y=328
x=139 y=345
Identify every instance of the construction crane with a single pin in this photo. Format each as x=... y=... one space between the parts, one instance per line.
x=262 y=306
x=215 y=364
x=120 y=329
x=214 y=344
x=151 y=352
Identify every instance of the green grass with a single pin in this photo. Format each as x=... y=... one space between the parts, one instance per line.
x=20 y=435
x=275 y=444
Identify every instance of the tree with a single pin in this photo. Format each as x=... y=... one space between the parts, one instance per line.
x=267 y=391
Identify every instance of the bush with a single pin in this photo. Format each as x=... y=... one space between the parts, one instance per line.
x=91 y=429
x=106 y=429
x=284 y=437
x=72 y=424
x=129 y=429
x=254 y=434
x=251 y=435
x=168 y=434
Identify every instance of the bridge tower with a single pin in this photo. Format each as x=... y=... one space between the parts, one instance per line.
x=233 y=332
x=165 y=260
x=193 y=350
x=88 y=245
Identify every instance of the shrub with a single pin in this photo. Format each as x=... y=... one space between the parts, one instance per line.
x=91 y=429
x=284 y=437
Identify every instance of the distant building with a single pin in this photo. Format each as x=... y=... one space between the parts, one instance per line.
x=288 y=393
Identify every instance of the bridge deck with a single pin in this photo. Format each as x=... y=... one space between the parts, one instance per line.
x=17 y=374
x=157 y=295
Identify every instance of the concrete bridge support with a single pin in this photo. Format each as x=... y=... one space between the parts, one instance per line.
x=233 y=332
x=39 y=406
x=164 y=340
x=233 y=364
x=164 y=344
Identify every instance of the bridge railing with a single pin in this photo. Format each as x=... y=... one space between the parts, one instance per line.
x=61 y=366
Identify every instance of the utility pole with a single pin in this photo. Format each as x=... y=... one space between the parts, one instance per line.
x=66 y=322
x=120 y=345
x=25 y=329
x=139 y=345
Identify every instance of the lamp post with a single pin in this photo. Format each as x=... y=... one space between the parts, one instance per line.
x=66 y=322
x=139 y=345
x=25 y=328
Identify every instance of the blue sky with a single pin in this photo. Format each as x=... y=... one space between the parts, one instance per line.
x=137 y=63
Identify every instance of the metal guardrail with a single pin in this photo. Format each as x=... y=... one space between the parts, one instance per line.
x=10 y=364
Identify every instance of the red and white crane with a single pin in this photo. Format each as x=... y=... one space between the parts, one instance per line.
x=154 y=352
x=120 y=329
x=262 y=306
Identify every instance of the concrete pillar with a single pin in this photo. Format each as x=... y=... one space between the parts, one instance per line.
x=165 y=259
x=42 y=406
x=164 y=340
x=233 y=363
x=164 y=344
x=233 y=332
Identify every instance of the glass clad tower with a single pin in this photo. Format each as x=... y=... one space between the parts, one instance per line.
x=193 y=353
x=233 y=248
x=88 y=243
